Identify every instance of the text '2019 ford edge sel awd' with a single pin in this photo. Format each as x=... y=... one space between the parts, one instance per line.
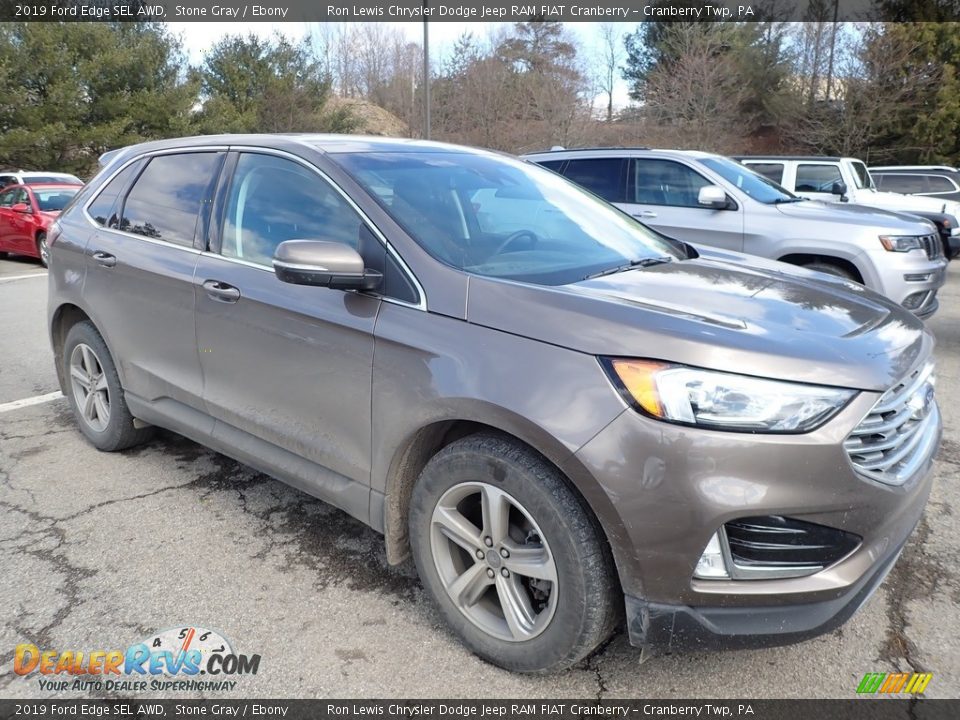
x=562 y=416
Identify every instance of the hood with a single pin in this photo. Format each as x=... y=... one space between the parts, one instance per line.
x=799 y=326
x=898 y=202
x=860 y=215
x=50 y=213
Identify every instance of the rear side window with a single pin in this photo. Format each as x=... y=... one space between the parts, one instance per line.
x=665 y=182
x=905 y=184
x=165 y=201
x=102 y=208
x=816 y=178
x=272 y=200
x=771 y=171
x=8 y=180
x=601 y=176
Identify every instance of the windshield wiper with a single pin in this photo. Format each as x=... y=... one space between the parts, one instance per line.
x=642 y=262
x=783 y=201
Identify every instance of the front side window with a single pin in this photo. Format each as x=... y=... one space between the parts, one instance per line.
x=499 y=217
x=54 y=199
x=601 y=176
x=164 y=202
x=756 y=186
x=665 y=182
x=816 y=178
x=6 y=199
x=274 y=199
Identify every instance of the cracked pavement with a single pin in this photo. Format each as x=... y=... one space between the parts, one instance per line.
x=99 y=550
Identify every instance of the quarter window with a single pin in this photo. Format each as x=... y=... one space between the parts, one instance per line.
x=940 y=184
x=817 y=178
x=102 y=208
x=601 y=176
x=165 y=201
x=665 y=182
x=272 y=200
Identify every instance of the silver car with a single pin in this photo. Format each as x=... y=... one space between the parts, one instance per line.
x=711 y=200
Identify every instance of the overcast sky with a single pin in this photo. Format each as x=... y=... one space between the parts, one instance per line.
x=199 y=36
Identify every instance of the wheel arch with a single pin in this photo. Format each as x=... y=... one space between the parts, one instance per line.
x=413 y=455
x=803 y=259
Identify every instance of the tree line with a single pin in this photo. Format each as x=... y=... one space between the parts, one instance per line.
x=883 y=91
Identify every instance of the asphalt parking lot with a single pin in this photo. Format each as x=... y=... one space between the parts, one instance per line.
x=99 y=551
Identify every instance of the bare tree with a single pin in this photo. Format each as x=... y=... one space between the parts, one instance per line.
x=698 y=98
x=610 y=57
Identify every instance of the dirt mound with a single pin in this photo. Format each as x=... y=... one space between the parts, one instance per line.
x=372 y=119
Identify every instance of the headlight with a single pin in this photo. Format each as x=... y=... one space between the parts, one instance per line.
x=900 y=243
x=724 y=401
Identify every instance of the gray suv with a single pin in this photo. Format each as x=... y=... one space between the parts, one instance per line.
x=711 y=200
x=566 y=419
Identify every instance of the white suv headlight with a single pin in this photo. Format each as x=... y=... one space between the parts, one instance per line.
x=724 y=401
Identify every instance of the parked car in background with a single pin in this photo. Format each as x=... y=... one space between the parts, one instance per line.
x=840 y=179
x=936 y=181
x=563 y=421
x=22 y=177
x=26 y=213
x=707 y=199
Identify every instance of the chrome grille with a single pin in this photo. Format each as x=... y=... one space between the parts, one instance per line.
x=932 y=246
x=900 y=433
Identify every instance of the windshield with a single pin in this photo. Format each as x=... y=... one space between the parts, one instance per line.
x=500 y=217
x=746 y=180
x=861 y=176
x=54 y=199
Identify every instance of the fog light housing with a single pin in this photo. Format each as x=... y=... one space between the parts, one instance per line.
x=916 y=300
x=711 y=565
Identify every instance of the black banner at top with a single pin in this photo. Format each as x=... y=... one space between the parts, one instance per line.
x=631 y=11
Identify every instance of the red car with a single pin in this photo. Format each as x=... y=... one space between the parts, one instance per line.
x=26 y=212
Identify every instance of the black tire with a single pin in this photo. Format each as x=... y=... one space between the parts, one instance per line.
x=831 y=269
x=3 y=254
x=43 y=252
x=119 y=432
x=588 y=600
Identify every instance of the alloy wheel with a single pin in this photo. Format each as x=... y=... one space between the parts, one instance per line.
x=494 y=561
x=90 y=390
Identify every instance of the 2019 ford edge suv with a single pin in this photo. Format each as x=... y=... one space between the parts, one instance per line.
x=566 y=422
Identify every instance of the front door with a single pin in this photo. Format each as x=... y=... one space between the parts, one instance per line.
x=664 y=195
x=288 y=364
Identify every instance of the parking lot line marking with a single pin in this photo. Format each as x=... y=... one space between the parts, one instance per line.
x=9 y=278
x=27 y=402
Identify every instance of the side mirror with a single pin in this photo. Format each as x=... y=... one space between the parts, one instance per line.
x=712 y=196
x=323 y=264
x=22 y=208
x=838 y=188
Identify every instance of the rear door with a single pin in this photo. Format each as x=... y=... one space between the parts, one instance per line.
x=6 y=218
x=288 y=364
x=664 y=195
x=140 y=264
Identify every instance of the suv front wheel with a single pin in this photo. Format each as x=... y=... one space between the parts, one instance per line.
x=516 y=564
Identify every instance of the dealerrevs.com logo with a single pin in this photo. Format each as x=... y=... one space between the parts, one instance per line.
x=173 y=659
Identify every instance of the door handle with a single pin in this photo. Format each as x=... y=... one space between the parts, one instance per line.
x=221 y=291
x=104 y=259
x=645 y=214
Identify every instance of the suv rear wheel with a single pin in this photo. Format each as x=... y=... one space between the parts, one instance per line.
x=94 y=391
x=516 y=564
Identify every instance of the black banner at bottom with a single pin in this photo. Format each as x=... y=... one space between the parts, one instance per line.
x=861 y=708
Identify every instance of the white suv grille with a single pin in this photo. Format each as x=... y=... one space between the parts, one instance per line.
x=900 y=433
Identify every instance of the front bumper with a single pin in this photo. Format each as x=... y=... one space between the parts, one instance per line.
x=672 y=487
x=664 y=628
